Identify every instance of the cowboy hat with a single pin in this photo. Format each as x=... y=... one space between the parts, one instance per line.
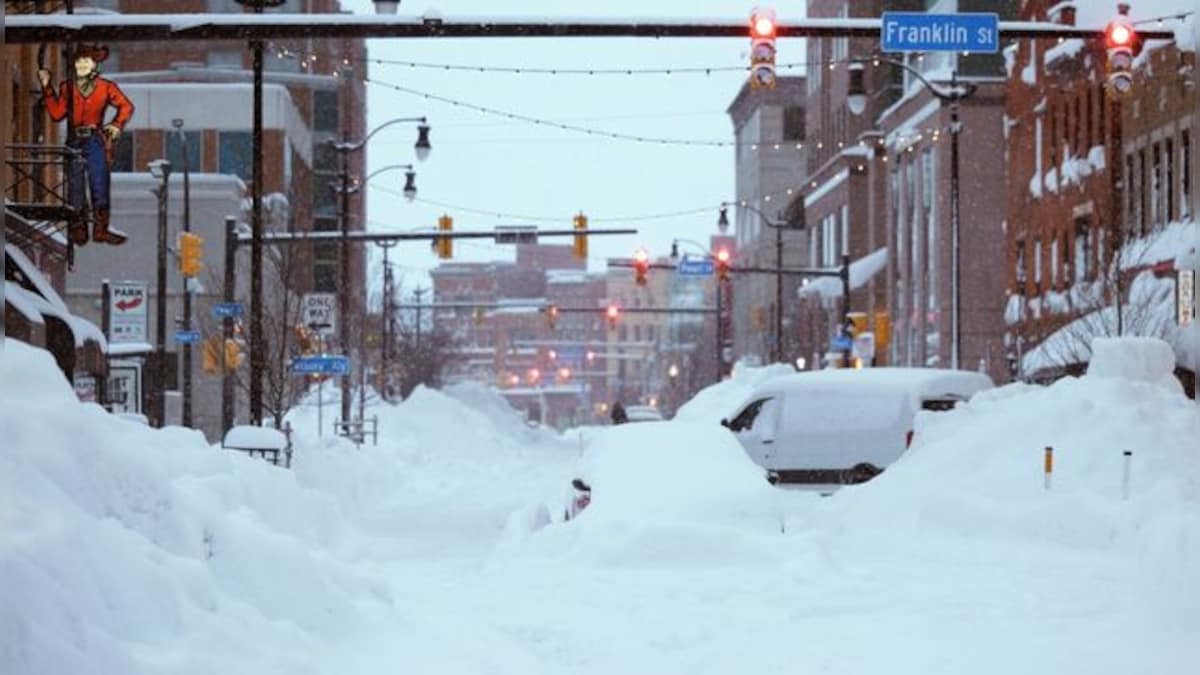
x=96 y=53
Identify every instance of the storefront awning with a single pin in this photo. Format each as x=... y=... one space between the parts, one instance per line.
x=861 y=271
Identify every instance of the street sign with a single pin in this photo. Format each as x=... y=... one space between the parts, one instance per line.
x=128 y=315
x=698 y=267
x=228 y=310
x=319 y=311
x=920 y=32
x=321 y=365
x=187 y=337
x=864 y=346
x=842 y=343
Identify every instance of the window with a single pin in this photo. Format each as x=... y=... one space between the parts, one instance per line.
x=122 y=160
x=174 y=149
x=325 y=110
x=1089 y=116
x=1185 y=150
x=325 y=267
x=234 y=154
x=1080 y=148
x=845 y=236
x=1053 y=134
x=1131 y=202
x=1083 y=250
x=225 y=58
x=1054 y=262
x=1065 y=248
x=1037 y=265
x=814 y=243
x=1141 y=193
x=745 y=419
x=1169 y=180
x=793 y=123
x=931 y=229
x=1156 y=191
x=1020 y=265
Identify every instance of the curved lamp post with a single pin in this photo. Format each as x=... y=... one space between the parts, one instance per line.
x=954 y=94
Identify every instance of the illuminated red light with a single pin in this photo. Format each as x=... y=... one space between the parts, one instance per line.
x=1120 y=35
x=723 y=255
x=763 y=26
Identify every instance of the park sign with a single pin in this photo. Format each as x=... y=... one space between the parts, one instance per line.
x=921 y=32
x=128 y=315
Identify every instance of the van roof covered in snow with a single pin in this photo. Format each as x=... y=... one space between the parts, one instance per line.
x=922 y=382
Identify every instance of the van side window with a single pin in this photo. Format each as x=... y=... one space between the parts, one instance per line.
x=745 y=419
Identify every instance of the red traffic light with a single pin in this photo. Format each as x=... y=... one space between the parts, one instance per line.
x=613 y=312
x=762 y=23
x=723 y=256
x=1119 y=34
x=641 y=266
x=723 y=264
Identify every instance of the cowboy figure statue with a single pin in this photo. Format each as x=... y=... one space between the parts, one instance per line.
x=88 y=97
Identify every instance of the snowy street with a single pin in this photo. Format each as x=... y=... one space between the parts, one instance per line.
x=423 y=553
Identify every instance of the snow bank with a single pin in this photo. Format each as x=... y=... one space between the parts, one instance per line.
x=975 y=476
x=664 y=494
x=1132 y=358
x=717 y=401
x=128 y=549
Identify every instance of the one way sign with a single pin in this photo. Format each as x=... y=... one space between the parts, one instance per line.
x=320 y=311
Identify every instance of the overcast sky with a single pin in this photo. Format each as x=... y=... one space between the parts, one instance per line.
x=512 y=167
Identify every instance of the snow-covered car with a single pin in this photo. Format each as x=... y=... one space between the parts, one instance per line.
x=665 y=470
x=643 y=413
x=843 y=426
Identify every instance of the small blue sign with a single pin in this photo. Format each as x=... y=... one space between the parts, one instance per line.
x=228 y=310
x=695 y=267
x=842 y=343
x=187 y=337
x=321 y=365
x=921 y=32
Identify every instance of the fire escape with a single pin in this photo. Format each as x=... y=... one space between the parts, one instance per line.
x=38 y=191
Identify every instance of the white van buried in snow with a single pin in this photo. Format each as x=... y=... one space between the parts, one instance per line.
x=842 y=426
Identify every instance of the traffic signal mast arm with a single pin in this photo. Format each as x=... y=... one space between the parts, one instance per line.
x=798 y=271
x=299 y=237
x=37 y=28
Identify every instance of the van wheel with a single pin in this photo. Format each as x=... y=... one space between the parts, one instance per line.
x=864 y=472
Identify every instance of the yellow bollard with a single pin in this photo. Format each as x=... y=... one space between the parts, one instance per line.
x=1049 y=465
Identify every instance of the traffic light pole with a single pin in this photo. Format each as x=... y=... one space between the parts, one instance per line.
x=159 y=408
x=344 y=273
x=231 y=243
x=187 y=281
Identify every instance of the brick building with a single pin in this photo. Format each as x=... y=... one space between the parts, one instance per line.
x=1071 y=218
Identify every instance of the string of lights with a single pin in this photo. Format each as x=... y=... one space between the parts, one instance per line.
x=613 y=135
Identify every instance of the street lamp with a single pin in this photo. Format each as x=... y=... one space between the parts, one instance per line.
x=344 y=148
x=161 y=170
x=856 y=100
x=779 y=226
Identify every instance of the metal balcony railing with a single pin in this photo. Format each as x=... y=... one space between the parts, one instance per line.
x=38 y=190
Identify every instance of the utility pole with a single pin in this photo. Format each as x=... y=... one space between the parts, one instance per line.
x=418 y=293
x=955 y=237
x=227 y=391
x=388 y=323
x=778 y=295
x=187 y=281
x=258 y=356
x=161 y=169
x=845 y=329
x=344 y=309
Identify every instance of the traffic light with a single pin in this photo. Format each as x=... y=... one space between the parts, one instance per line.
x=191 y=254
x=445 y=245
x=723 y=264
x=614 y=315
x=564 y=374
x=762 y=48
x=479 y=316
x=234 y=356
x=552 y=316
x=857 y=323
x=210 y=355
x=641 y=266
x=581 y=246
x=1121 y=40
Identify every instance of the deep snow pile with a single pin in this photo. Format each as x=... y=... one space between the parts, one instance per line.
x=977 y=474
x=125 y=549
x=716 y=401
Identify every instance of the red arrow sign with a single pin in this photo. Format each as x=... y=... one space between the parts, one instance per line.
x=126 y=305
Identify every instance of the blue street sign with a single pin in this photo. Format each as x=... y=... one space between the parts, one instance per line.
x=698 y=267
x=187 y=337
x=227 y=310
x=321 y=365
x=842 y=343
x=920 y=32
